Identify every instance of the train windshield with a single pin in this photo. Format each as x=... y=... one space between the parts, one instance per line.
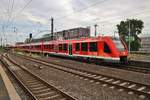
x=118 y=44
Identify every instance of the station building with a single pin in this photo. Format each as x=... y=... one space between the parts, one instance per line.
x=74 y=33
x=145 y=43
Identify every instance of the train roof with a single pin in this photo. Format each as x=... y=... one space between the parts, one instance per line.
x=87 y=39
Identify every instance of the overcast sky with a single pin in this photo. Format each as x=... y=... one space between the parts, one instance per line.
x=31 y=16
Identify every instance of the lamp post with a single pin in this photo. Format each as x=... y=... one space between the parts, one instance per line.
x=95 y=29
x=129 y=36
x=52 y=28
x=30 y=39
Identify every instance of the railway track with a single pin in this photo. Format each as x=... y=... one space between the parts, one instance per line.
x=128 y=67
x=142 y=90
x=34 y=85
x=135 y=69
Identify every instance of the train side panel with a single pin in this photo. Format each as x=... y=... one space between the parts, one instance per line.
x=103 y=48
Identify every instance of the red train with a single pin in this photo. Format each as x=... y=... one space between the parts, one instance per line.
x=104 y=48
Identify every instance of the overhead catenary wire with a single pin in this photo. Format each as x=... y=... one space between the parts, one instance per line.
x=10 y=11
x=8 y=14
x=4 y=10
x=73 y=13
x=3 y=37
x=20 y=11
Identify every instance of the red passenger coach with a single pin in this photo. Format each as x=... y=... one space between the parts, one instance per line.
x=105 y=48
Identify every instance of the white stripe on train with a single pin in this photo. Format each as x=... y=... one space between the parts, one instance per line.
x=115 y=59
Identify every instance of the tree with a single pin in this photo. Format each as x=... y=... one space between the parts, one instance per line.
x=136 y=27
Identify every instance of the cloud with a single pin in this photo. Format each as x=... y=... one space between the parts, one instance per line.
x=35 y=19
x=75 y=13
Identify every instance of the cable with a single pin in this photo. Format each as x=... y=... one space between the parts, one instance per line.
x=20 y=11
x=10 y=13
x=24 y=7
x=3 y=9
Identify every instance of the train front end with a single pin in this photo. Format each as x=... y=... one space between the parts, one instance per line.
x=122 y=50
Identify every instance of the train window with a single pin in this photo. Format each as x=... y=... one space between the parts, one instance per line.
x=65 y=47
x=84 y=46
x=118 y=44
x=106 y=48
x=93 y=46
x=29 y=47
x=37 y=46
x=77 y=46
x=52 y=47
x=60 y=47
x=46 y=46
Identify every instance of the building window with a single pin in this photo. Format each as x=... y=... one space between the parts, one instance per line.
x=93 y=46
x=77 y=46
x=106 y=48
x=65 y=47
x=84 y=46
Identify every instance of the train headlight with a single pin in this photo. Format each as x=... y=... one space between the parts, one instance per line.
x=122 y=53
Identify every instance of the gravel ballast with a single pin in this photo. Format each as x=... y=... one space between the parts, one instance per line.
x=75 y=86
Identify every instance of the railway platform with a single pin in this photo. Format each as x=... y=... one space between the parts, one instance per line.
x=140 y=60
x=7 y=91
x=140 y=57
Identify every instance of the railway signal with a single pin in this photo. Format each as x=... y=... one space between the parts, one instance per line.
x=30 y=39
x=30 y=36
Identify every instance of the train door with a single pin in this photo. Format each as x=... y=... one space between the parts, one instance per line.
x=100 y=48
x=70 y=49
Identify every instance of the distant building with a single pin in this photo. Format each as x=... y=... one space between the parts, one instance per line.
x=74 y=33
x=145 y=43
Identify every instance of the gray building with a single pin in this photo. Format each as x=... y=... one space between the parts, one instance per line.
x=74 y=33
x=145 y=43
